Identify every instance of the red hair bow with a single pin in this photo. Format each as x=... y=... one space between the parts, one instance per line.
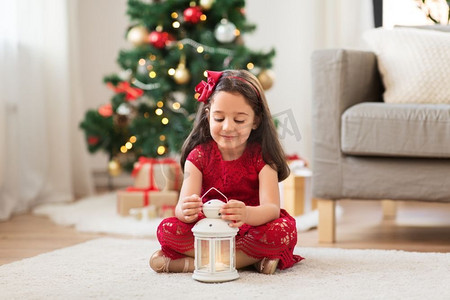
x=205 y=89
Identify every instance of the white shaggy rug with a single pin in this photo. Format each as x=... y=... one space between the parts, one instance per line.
x=98 y=214
x=110 y=268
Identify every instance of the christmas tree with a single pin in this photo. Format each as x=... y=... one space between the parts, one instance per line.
x=172 y=43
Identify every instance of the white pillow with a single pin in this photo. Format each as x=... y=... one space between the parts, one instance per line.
x=414 y=64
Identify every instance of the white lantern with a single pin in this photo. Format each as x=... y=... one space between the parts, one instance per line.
x=215 y=259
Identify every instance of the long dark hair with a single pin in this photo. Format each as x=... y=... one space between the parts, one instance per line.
x=246 y=84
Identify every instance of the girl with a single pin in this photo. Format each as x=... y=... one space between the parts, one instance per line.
x=233 y=147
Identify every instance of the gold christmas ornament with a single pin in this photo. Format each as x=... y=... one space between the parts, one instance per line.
x=206 y=4
x=138 y=35
x=266 y=78
x=182 y=75
x=114 y=168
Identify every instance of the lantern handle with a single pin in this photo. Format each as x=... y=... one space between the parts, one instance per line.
x=213 y=188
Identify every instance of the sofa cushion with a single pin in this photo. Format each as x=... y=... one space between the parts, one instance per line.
x=414 y=64
x=384 y=129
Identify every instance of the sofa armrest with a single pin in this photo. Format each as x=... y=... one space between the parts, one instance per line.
x=340 y=79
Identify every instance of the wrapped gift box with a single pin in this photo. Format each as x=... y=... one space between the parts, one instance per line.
x=297 y=191
x=127 y=199
x=160 y=174
x=144 y=213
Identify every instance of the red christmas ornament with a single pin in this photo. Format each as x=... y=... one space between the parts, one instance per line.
x=192 y=14
x=159 y=39
x=93 y=140
x=105 y=110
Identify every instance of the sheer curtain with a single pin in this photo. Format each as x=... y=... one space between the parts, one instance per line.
x=42 y=153
x=345 y=21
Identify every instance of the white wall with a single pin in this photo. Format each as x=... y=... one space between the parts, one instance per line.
x=103 y=24
x=289 y=27
x=294 y=27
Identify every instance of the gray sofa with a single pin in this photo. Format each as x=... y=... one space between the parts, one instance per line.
x=364 y=148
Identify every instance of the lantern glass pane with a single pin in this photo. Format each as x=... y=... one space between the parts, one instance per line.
x=222 y=255
x=203 y=255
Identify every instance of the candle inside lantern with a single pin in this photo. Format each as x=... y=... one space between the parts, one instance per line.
x=222 y=253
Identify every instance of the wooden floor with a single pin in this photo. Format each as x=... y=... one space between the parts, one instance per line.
x=419 y=226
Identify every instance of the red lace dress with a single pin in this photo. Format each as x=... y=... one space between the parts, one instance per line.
x=237 y=179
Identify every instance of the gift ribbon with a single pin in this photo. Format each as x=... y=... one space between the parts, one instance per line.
x=153 y=161
x=141 y=162
x=170 y=161
x=145 y=191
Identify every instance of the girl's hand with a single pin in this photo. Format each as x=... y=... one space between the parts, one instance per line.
x=191 y=206
x=236 y=211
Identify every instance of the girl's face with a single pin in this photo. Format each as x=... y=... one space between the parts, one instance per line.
x=231 y=120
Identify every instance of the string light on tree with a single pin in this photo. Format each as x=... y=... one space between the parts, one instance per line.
x=176 y=24
x=161 y=150
x=176 y=105
x=200 y=49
